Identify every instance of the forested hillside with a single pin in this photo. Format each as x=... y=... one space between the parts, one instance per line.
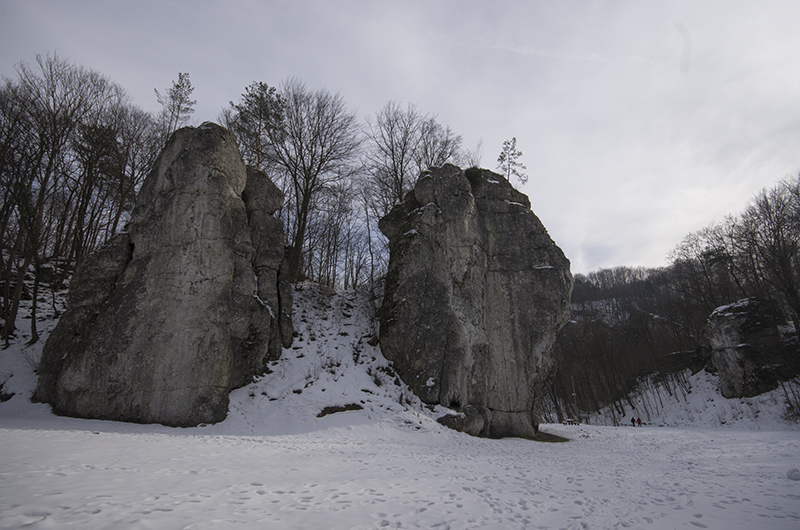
x=633 y=323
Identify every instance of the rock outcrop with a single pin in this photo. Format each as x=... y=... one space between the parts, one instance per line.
x=163 y=321
x=475 y=295
x=744 y=345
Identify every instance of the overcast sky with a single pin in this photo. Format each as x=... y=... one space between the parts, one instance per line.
x=639 y=121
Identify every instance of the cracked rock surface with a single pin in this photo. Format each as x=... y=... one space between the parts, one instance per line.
x=163 y=321
x=475 y=295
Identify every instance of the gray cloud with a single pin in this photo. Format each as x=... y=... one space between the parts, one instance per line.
x=636 y=129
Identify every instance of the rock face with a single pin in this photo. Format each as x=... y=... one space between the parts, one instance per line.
x=744 y=345
x=165 y=320
x=475 y=295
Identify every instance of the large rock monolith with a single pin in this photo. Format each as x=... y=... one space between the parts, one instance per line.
x=745 y=346
x=475 y=295
x=163 y=321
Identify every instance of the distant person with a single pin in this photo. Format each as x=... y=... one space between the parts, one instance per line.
x=638 y=422
x=633 y=421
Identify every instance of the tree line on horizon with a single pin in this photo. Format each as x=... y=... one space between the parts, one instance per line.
x=632 y=322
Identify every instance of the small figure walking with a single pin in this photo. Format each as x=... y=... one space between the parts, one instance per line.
x=638 y=422
x=633 y=421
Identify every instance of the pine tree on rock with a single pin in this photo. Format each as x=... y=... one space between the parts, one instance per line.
x=177 y=107
x=508 y=161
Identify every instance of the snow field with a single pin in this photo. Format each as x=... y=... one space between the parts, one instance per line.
x=386 y=476
x=273 y=463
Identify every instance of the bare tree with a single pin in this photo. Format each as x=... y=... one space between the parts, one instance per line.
x=63 y=170
x=55 y=100
x=770 y=232
x=402 y=143
x=333 y=238
x=391 y=157
x=438 y=145
x=473 y=158
x=633 y=321
x=316 y=148
x=755 y=253
x=700 y=275
x=138 y=145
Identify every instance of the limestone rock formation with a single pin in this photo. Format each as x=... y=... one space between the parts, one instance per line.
x=475 y=295
x=744 y=345
x=165 y=320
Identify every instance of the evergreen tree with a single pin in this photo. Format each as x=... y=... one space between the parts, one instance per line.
x=256 y=121
x=508 y=161
x=177 y=107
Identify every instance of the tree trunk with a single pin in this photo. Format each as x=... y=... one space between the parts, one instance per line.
x=34 y=303
x=10 y=324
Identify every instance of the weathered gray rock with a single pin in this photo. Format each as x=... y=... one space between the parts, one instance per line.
x=744 y=345
x=262 y=199
x=164 y=321
x=475 y=295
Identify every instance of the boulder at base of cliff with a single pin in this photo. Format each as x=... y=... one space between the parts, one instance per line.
x=744 y=345
x=475 y=295
x=162 y=322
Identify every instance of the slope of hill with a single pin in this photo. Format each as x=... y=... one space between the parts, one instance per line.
x=333 y=367
x=334 y=375
x=687 y=399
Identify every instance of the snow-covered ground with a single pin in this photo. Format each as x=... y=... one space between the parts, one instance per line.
x=275 y=464
x=687 y=399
